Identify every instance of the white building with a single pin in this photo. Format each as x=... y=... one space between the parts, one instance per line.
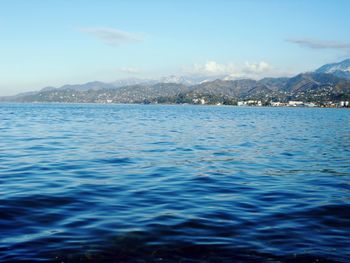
x=344 y=104
x=295 y=103
x=310 y=104
x=276 y=104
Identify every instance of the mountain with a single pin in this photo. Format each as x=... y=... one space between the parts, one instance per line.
x=311 y=86
x=321 y=86
x=311 y=81
x=144 y=93
x=95 y=85
x=274 y=83
x=98 y=85
x=187 y=80
x=133 y=81
x=340 y=69
x=127 y=94
x=231 y=88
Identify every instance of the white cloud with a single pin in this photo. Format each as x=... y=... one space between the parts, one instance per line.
x=111 y=36
x=254 y=70
x=213 y=68
x=320 y=44
x=210 y=68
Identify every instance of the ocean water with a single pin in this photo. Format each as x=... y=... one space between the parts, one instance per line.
x=151 y=183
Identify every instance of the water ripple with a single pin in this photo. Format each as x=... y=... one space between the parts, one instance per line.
x=127 y=183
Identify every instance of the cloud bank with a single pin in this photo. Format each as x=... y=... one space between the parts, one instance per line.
x=111 y=36
x=255 y=70
x=320 y=44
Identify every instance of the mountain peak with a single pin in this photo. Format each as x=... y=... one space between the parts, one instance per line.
x=339 y=69
x=346 y=61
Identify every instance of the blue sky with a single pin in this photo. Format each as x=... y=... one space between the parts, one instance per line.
x=56 y=42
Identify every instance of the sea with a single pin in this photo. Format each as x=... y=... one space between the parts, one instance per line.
x=173 y=183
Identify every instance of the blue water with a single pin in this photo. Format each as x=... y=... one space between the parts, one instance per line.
x=147 y=183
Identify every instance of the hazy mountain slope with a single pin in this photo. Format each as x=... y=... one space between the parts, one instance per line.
x=340 y=69
x=274 y=83
x=311 y=81
x=232 y=88
x=95 y=85
x=129 y=94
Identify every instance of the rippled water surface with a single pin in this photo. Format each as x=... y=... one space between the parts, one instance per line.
x=141 y=183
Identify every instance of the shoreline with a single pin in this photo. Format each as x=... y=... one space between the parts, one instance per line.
x=170 y=104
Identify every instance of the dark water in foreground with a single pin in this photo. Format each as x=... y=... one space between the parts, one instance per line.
x=122 y=183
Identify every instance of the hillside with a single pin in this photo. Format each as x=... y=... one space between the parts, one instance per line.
x=321 y=86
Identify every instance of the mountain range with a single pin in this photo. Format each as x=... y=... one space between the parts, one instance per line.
x=330 y=82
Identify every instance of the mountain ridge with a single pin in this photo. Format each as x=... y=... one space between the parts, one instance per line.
x=314 y=86
x=339 y=69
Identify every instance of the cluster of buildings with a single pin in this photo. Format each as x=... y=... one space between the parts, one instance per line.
x=250 y=103
x=293 y=103
x=344 y=104
x=340 y=104
x=199 y=101
x=259 y=103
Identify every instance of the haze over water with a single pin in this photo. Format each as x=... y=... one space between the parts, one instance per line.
x=148 y=183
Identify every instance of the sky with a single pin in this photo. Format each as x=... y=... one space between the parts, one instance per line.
x=58 y=42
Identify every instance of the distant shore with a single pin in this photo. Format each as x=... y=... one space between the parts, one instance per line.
x=178 y=104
